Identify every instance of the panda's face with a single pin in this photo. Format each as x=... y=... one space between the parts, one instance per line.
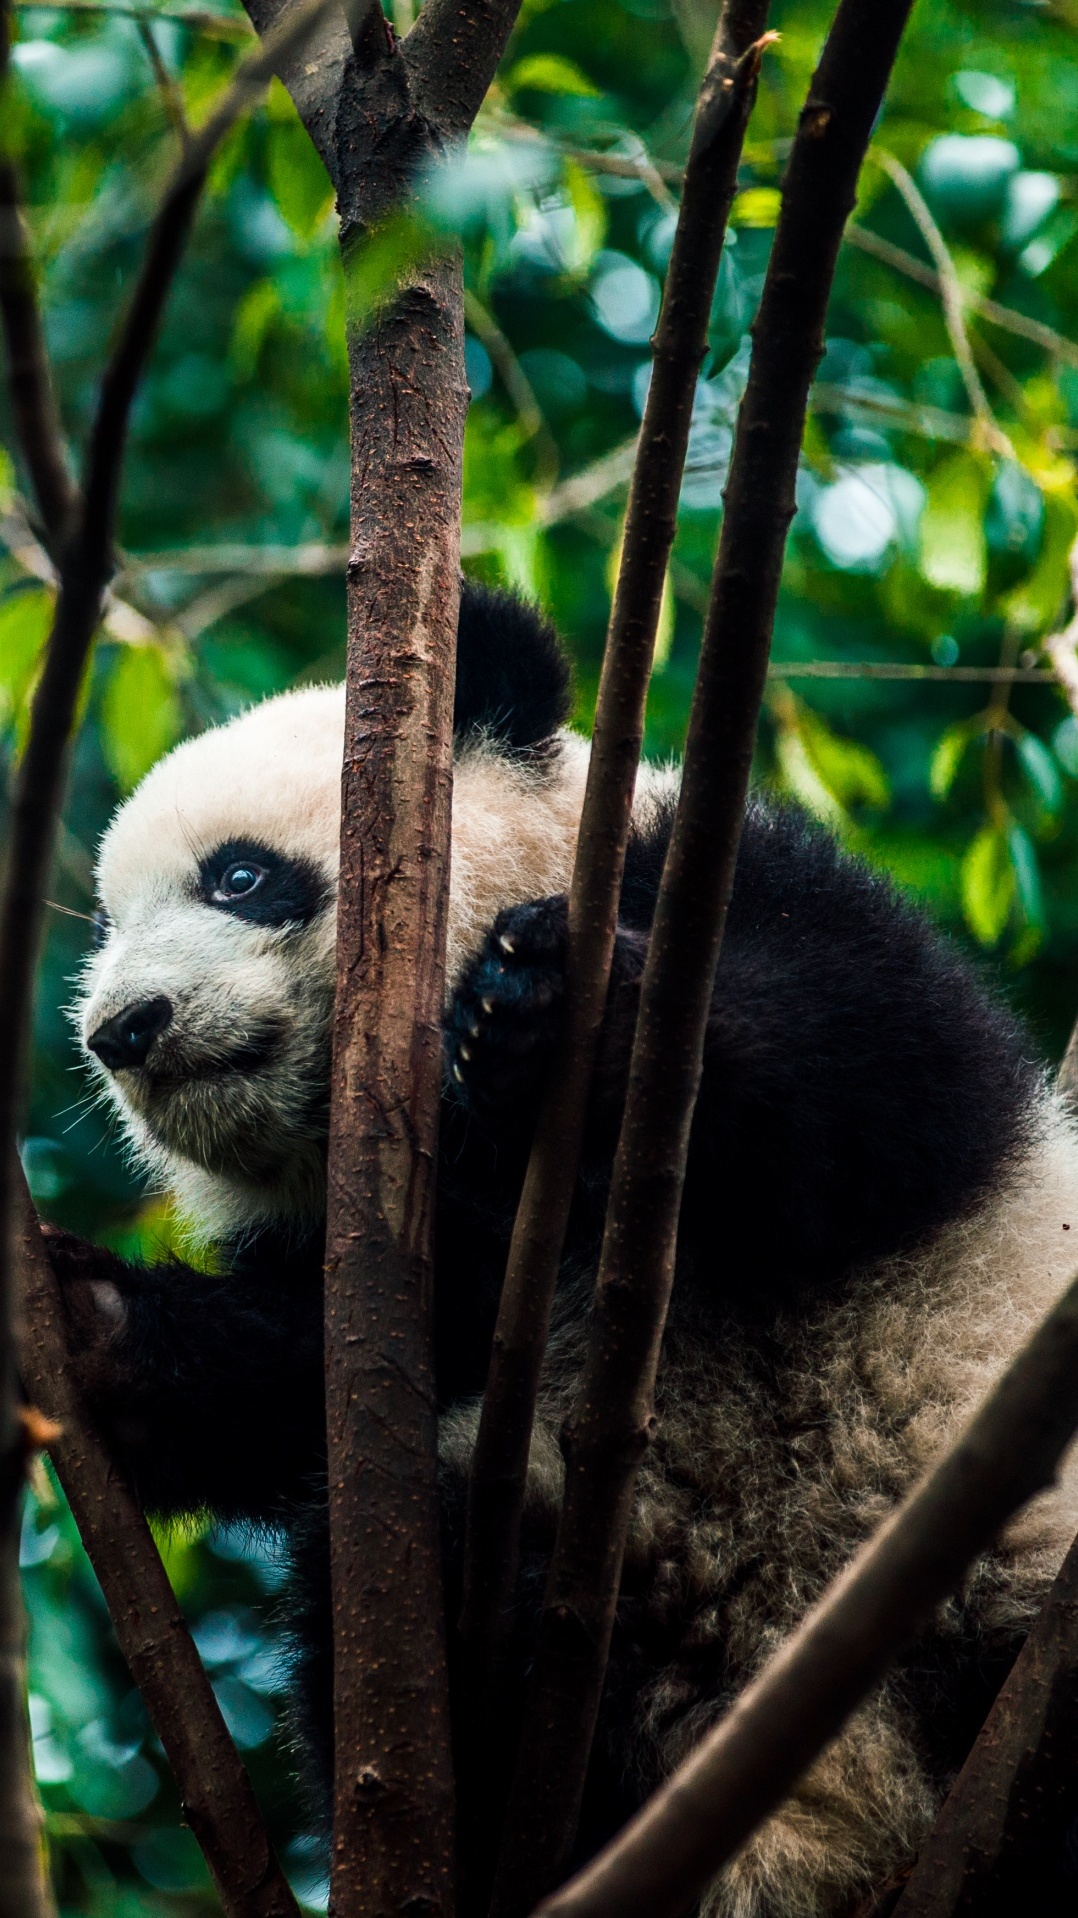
x=209 y=1006
x=206 y=1012
x=206 y=1009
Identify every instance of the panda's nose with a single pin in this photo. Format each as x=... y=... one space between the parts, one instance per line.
x=123 y=1042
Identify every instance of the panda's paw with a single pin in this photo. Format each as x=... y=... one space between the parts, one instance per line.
x=506 y=1011
x=93 y=1301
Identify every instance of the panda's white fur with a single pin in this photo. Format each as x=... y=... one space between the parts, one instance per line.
x=873 y=1380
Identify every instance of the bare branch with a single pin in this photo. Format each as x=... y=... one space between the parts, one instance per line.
x=218 y=1801
x=33 y=399
x=220 y=26
x=741 y=1771
x=612 y=1418
x=1005 y=317
x=517 y=386
x=951 y=296
x=496 y=1494
x=171 y=96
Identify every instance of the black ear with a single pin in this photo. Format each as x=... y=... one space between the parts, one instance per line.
x=513 y=680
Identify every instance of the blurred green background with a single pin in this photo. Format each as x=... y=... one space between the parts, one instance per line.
x=936 y=513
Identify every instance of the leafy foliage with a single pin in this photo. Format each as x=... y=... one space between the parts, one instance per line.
x=918 y=539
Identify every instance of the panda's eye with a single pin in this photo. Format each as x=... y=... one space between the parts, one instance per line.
x=239 y=880
x=102 y=926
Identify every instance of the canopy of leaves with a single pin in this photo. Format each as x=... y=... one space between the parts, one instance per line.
x=934 y=527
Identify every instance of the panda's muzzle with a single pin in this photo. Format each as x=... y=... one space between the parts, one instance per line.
x=123 y=1042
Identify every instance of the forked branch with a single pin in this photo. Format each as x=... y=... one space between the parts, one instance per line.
x=612 y=1418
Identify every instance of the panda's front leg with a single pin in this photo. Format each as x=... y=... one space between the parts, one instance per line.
x=207 y=1386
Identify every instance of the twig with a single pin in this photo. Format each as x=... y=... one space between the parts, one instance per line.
x=33 y=398
x=1005 y=317
x=785 y=1717
x=496 y=1492
x=951 y=297
x=171 y=96
x=910 y=670
x=518 y=387
x=216 y=1794
x=223 y=26
x=611 y=1421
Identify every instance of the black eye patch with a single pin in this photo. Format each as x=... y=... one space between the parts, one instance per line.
x=264 y=887
x=102 y=926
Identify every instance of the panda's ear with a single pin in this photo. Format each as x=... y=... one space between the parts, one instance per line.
x=513 y=679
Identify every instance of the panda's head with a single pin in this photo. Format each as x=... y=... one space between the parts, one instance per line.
x=206 y=1009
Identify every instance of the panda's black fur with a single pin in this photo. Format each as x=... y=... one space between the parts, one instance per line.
x=862 y=1096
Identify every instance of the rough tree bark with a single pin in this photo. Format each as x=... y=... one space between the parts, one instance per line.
x=1009 y=1452
x=379 y=114
x=215 y=1792
x=496 y=1492
x=612 y=1419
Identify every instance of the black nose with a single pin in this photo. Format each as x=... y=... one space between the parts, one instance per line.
x=126 y=1040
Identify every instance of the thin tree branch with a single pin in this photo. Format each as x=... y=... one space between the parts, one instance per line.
x=496 y=1493
x=951 y=297
x=171 y=96
x=33 y=399
x=1005 y=317
x=221 y=26
x=216 y=1794
x=786 y=1716
x=1000 y=1839
x=518 y=387
x=612 y=1418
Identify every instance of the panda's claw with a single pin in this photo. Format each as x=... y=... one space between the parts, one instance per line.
x=504 y=1015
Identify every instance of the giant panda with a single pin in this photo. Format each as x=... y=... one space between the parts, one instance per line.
x=879 y=1196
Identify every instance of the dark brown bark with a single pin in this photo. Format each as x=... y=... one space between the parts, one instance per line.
x=218 y=1801
x=393 y=1827
x=496 y=1492
x=744 y=1768
x=999 y=1843
x=612 y=1419
x=402 y=108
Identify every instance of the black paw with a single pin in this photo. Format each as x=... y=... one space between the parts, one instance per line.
x=506 y=1011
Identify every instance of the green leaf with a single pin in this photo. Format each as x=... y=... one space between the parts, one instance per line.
x=298 y=181
x=951 y=539
x=1027 y=875
x=1041 y=770
x=947 y=757
x=848 y=769
x=757 y=206
x=550 y=73
x=589 y=209
x=988 y=884
x=1035 y=605
x=25 y=619
x=140 y=713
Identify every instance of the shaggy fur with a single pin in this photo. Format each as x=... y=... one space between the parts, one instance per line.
x=877 y=1210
